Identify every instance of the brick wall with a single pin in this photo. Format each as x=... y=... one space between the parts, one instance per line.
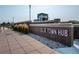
x=60 y=32
x=76 y=31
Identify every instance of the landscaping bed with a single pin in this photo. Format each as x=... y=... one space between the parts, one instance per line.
x=50 y=43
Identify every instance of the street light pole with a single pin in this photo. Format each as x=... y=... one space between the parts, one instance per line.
x=13 y=22
x=13 y=19
x=29 y=12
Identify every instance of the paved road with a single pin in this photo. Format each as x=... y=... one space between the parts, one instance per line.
x=12 y=42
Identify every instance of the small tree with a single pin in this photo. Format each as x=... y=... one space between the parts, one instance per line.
x=8 y=25
x=3 y=24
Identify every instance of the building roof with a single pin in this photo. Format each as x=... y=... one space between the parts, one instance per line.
x=42 y=14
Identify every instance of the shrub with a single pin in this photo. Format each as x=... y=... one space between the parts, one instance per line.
x=21 y=28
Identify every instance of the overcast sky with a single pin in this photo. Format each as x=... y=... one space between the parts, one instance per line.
x=21 y=12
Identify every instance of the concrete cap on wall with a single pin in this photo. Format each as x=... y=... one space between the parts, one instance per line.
x=53 y=25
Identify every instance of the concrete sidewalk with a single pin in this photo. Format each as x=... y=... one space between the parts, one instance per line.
x=12 y=42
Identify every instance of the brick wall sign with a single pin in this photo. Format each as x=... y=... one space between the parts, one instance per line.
x=60 y=32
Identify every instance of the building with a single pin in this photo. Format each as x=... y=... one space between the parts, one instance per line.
x=42 y=17
x=57 y=20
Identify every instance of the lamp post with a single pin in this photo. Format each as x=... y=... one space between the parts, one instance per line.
x=13 y=21
x=29 y=12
